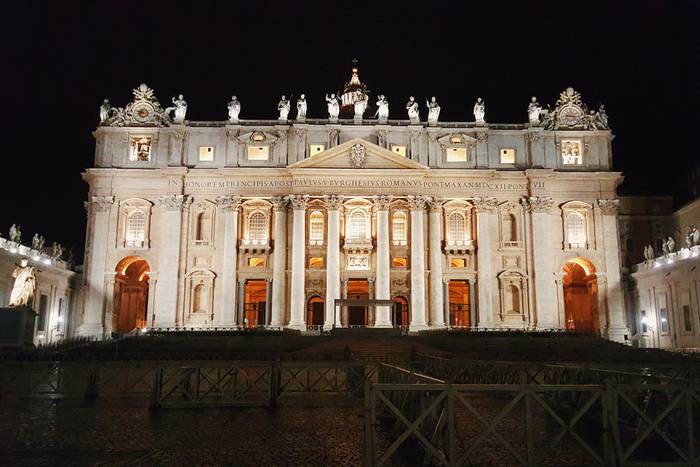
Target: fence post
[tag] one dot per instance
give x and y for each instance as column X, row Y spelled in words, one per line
column 274, row 383
column 610, row 425
column 451, row 430
column 157, row 388
column 369, row 456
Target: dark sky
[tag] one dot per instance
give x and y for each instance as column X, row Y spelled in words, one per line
column 62, row 58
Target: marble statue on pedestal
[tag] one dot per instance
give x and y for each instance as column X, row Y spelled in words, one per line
column 24, row 286
column 333, row 106
column 649, row 253
column 180, row 109
column 15, row 234
column 105, row 110
column 37, row 242
column 234, row 109
column 382, row 112
column 412, row 109
column 359, row 102
column 692, row 236
column 56, row 251
column 480, row 111
column 301, row 108
column 433, row 110
column 602, row 117
column 669, row 246
column 534, row 109
column 284, row 106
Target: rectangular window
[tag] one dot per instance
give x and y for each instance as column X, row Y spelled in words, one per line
column 316, row 262
column 43, row 309
column 140, row 149
column 398, row 149
column 456, row 154
column 316, row 148
column 687, row 318
column 206, row 154
column 663, row 318
column 258, row 153
column 507, row 156
column 256, row 262
column 397, row 262
column 571, row 152
column 458, row 263
column 645, row 325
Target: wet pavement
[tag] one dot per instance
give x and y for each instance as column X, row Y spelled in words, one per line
column 115, row 432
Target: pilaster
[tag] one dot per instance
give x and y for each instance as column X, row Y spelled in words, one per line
column 333, row 204
column 229, row 206
column 298, row 316
column 485, row 219
column 418, row 318
column 279, row 262
column 437, row 318
column 383, row 283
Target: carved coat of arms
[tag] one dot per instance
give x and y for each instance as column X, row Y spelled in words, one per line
column 358, row 155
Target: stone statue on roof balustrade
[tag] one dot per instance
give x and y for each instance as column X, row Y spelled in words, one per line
column 534, row 109
column 234, row 109
column 283, row 106
column 382, row 112
column 433, row 110
column 480, row 111
column 301, row 108
column 105, row 110
column 412, row 110
column 333, row 107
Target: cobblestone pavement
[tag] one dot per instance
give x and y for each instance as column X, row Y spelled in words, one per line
column 115, row 432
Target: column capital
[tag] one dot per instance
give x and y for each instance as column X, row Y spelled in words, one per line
column 485, row 204
column 174, row 202
column 228, row 203
column 333, row 202
column 279, row 203
column 435, row 205
column 609, row 207
column 298, row 202
column 382, row 202
column 102, row 203
column 417, row 203
column 538, row 204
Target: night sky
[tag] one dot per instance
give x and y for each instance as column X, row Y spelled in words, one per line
column 62, row 58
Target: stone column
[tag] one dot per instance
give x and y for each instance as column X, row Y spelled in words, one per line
column 344, row 309
column 437, row 315
column 333, row 204
column 383, row 283
column 485, row 216
column 96, row 247
column 268, row 299
column 472, row 302
column 372, row 310
column 446, row 304
column 229, row 206
column 152, row 282
column 298, row 316
column 169, row 258
column 616, row 325
column 418, row 318
column 545, row 294
column 240, row 313
column 279, row 263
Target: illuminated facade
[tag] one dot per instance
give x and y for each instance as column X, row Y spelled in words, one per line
column 262, row 223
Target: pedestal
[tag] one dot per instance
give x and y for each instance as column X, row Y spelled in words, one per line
column 17, row 327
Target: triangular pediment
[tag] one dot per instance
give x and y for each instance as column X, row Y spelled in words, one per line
column 357, row 154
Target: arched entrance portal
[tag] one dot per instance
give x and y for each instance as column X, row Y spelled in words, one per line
column 130, row 295
column 400, row 312
column 581, row 296
column 315, row 310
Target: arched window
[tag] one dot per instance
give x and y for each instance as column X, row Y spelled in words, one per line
column 135, row 229
column 510, row 228
column 456, row 228
column 576, row 230
column 358, row 226
column 257, row 226
column 316, row 228
column 199, row 299
column 398, row 228
column 203, row 226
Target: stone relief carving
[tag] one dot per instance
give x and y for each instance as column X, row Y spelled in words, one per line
column 571, row 112
column 174, row 202
column 298, row 202
column 609, row 206
column 382, row 202
column 382, row 138
column 485, row 204
column 358, row 155
column 279, row 203
column 228, row 202
column 102, row 203
column 435, row 204
column 538, row 204
column 417, row 203
column 144, row 110
column 333, row 136
column 333, row 202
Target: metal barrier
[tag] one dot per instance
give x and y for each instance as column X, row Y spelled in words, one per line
column 533, row 423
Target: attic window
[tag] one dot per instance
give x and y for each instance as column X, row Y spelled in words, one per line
column 398, row 149
column 206, row 154
column 456, row 154
column 507, row 156
column 316, row 148
column 456, row 140
column 258, row 153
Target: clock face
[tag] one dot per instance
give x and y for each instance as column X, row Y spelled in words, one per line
column 570, row 116
column 143, row 112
